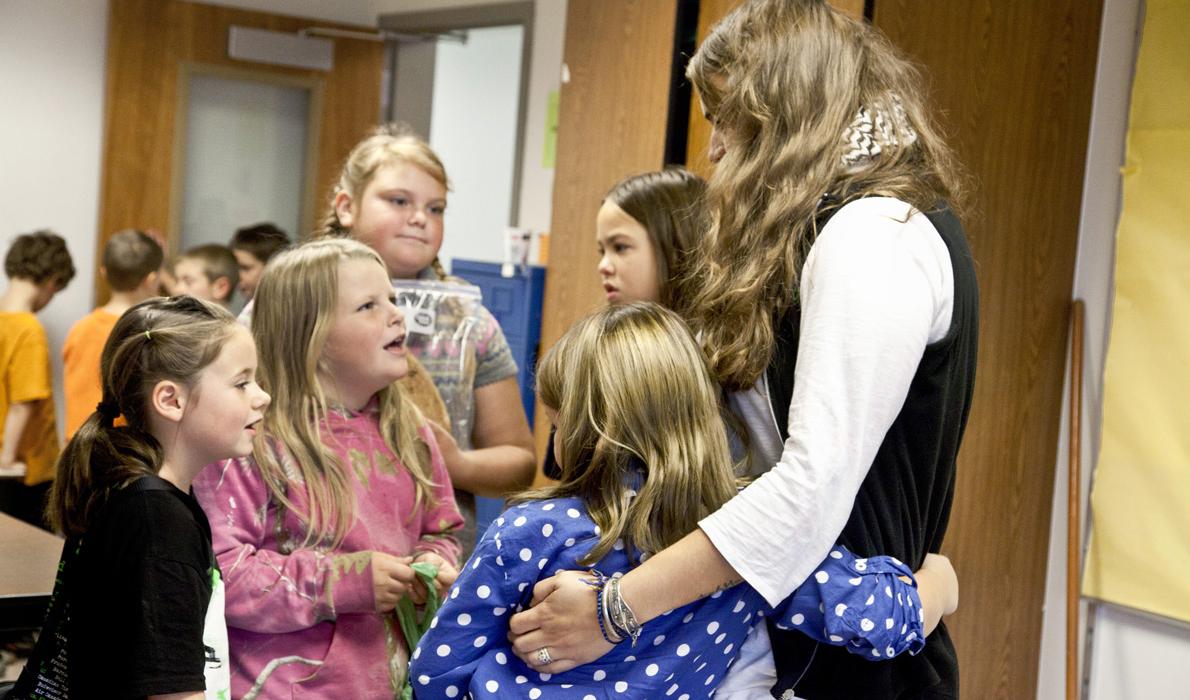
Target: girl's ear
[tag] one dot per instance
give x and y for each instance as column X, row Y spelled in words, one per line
column 168, row 400
column 343, row 205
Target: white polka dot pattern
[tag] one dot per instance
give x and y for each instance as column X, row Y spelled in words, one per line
column 469, row 654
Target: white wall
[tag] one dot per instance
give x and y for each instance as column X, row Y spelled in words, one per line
column 51, row 134
column 473, row 129
column 1132, row 656
column 545, row 76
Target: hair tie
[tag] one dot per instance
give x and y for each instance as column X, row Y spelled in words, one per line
column 147, row 336
column 108, row 411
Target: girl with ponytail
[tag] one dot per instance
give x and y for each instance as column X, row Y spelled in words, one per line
column 137, row 609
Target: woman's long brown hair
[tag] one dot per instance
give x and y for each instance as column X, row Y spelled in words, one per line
column 782, row 80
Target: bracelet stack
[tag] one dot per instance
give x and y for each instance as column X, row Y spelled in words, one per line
column 617, row 622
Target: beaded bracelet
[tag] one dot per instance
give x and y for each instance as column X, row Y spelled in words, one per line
column 600, row 584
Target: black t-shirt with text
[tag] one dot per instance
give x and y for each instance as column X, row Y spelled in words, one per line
column 135, row 593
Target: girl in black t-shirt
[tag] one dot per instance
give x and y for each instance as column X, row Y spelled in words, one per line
column 137, row 609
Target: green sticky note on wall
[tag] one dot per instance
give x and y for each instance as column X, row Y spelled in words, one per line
column 550, row 149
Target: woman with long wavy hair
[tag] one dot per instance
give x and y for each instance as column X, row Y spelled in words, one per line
column 837, row 303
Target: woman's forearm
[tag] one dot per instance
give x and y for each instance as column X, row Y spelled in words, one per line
column 687, row 571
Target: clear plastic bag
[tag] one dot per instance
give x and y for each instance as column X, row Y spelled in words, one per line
column 443, row 322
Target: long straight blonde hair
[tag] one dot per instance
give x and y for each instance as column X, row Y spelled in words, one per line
column 630, row 385
column 783, row 79
column 294, row 310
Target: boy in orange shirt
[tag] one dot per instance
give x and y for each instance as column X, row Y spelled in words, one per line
column 130, row 263
column 207, row 272
column 38, row 267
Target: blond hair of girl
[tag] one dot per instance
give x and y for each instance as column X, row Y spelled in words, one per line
column 387, row 144
column 295, row 308
column 631, row 387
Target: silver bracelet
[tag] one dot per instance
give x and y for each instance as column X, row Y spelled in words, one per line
column 623, row 620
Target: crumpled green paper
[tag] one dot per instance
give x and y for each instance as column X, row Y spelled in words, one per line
column 407, row 614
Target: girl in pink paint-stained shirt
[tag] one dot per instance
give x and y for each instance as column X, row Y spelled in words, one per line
column 315, row 533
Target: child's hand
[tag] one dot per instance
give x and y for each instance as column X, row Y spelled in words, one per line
column 392, row 579
column 447, row 573
column 949, row 580
column 938, row 587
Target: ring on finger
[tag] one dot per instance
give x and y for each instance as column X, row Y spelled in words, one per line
column 543, row 656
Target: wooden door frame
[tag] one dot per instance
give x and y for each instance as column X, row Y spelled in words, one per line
column 188, row 69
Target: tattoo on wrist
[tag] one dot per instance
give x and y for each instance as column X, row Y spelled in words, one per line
column 723, row 586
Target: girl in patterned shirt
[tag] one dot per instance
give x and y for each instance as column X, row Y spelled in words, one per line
column 643, row 455
column 345, row 489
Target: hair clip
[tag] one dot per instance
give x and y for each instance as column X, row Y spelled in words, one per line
column 147, row 336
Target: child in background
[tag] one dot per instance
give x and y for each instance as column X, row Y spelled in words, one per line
column 644, row 457
column 130, row 263
column 208, row 272
column 252, row 247
column 391, row 196
column 345, row 489
column 646, row 231
column 137, row 609
column 38, row 266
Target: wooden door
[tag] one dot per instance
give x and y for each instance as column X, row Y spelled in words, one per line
column 611, row 123
column 1014, row 79
column 151, row 46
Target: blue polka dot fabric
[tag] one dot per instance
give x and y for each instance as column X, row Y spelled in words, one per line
column 682, row 654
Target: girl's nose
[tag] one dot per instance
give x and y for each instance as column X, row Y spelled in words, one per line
column 418, row 216
column 262, row 399
column 397, row 318
column 605, row 266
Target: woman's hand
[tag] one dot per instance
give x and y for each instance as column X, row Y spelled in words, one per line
column 392, row 579
column 562, row 621
column 447, row 573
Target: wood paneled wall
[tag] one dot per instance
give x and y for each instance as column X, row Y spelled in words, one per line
column 148, row 40
column 1014, row 79
column 611, row 123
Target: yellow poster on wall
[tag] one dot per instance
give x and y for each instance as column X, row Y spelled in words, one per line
column 1140, row 500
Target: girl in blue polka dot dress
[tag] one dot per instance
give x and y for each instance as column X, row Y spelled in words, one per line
column 644, row 456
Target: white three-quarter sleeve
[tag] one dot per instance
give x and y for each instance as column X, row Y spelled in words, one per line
column 876, row 288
